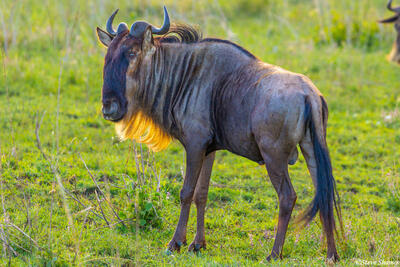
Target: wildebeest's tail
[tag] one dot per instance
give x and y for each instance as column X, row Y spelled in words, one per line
column 326, row 198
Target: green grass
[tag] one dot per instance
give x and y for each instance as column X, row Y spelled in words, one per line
column 336, row 43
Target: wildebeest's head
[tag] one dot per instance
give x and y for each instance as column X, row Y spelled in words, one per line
column 395, row 54
column 126, row 49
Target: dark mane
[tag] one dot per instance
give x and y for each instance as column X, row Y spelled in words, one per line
column 187, row 34
column 182, row 33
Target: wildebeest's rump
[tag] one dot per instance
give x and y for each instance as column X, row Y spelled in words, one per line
column 212, row 94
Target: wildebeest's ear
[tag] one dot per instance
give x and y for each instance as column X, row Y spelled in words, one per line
column 147, row 40
column 104, row 37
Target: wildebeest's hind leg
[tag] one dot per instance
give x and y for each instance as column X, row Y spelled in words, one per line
column 194, row 160
column 277, row 167
column 200, row 199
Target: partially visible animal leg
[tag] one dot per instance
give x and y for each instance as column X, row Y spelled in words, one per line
column 277, row 167
column 307, row 149
column 293, row 156
column 194, row 162
column 200, row 199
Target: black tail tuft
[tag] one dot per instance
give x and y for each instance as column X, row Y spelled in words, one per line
column 326, row 198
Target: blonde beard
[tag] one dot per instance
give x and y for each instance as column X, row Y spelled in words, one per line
column 143, row 130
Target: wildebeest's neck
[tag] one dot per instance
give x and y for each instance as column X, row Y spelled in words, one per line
column 179, row 78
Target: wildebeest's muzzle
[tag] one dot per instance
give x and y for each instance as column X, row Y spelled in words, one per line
column 113, row 109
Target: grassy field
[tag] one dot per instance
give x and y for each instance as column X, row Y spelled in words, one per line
column 84, row 198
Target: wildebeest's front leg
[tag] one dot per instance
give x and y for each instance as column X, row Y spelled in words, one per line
column 200, row 199
column 194, row 161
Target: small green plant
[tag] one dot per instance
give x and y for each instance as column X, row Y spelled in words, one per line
column 150, row 208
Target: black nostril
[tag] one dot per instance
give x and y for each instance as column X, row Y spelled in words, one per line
column 106, row 105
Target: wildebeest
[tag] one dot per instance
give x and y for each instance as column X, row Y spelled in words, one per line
column 395, row 53
column 211, row 94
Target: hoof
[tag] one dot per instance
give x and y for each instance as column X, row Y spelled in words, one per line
column 333, row 258
column 196, row 247
column 175, row 245
column 273, row 257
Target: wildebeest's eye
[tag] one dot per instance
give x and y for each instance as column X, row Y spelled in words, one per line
column 132, row 54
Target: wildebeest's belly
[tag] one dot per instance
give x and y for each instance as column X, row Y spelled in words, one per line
column 233, row 131
column 247, row 149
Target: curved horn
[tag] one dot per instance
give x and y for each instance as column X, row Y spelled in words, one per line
column 165, row 27
column 390, row 20
column 109, row 26
column 394, row 9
